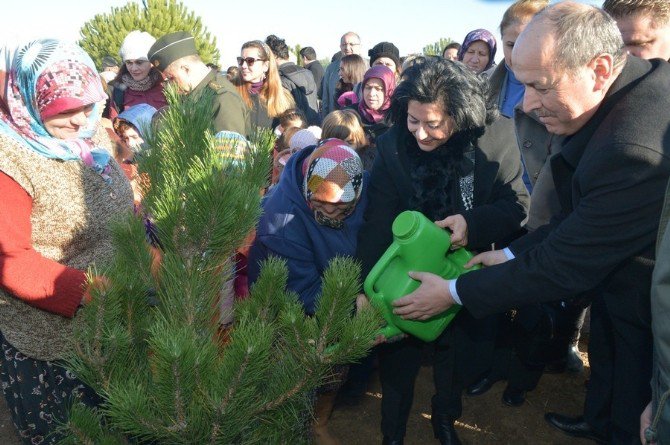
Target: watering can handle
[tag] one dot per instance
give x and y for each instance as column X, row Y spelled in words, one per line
column 376, row 272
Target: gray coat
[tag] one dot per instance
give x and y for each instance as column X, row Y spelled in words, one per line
column 300, row 83
column 328, row 84
column 537, row 146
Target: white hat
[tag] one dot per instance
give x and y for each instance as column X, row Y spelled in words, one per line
column 136, row 46
column 304, row 138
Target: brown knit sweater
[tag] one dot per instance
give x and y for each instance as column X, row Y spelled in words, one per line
column 71, row 213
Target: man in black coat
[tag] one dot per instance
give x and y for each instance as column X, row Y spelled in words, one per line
column 314, row 66
column 609, row 179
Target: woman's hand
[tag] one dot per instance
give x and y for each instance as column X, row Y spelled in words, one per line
column 488, row 258
column 645, row 422
column 459, row 230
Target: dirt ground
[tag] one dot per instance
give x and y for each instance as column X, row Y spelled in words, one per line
column 486, row 420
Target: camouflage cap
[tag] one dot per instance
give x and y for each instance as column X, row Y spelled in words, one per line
column 171, row 47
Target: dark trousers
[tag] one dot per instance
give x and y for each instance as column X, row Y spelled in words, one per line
column 457, row 355
column 546, row 343
column 620, row 355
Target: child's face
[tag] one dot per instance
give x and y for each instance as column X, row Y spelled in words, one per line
column 297, row 123
column 132, row 138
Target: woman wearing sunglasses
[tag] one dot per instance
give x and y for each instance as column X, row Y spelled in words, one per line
column 260, row 86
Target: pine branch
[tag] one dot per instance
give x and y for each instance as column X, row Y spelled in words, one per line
column 221, row 408
column 286, row 396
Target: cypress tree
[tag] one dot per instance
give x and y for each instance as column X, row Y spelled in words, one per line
column 104, row 34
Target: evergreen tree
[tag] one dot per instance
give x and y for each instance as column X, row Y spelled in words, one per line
column 296, row 50
column 151, row 345
column 104, row 34
column 435, row 49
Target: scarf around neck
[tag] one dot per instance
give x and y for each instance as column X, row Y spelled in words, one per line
column 142, row 85
column 256, row 87
column 442, row 179
column 45, row 78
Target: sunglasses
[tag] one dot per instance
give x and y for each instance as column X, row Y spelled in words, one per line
column 250, row 61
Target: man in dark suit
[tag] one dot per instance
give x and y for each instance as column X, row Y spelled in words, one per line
column 609, row 178
column 314, row 66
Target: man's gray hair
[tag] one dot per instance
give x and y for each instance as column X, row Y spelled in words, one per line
column 582, row 32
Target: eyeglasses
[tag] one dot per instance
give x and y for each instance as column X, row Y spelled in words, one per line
column 250, row 61
column 349, row 44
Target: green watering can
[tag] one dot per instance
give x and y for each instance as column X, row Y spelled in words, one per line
column 418, row 245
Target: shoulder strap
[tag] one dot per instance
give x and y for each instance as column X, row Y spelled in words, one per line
column 117, row 96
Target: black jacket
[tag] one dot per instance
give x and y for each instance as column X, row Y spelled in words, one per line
column 500, row 198
column 300, row 82
column 610, row 178
column 317, row 71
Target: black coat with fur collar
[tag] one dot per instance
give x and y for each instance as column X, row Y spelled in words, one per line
column 500, row 199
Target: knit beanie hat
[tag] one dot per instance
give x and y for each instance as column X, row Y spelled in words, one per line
column 385, row 49
column 136, row 46
column 333, row 173
column 232, row 146
column 304, row 138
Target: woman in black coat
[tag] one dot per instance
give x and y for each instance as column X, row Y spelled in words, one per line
column 436, row 159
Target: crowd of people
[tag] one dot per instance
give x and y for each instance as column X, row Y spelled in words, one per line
column 551, row 166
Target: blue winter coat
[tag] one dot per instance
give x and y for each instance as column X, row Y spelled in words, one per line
column 288, row 230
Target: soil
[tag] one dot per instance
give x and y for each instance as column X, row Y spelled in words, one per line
column 486, row 420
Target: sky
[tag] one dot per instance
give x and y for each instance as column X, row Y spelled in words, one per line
column 409, row 24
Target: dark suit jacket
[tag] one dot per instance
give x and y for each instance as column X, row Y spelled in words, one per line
column 317, row 71
column 610, row 178
column 500, row 198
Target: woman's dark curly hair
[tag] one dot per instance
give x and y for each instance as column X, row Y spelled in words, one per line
column 459, row 91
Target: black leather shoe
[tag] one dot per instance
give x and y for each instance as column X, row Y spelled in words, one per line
column 574, row 426
column 444, row 430
column 513, row 396
column 480, row 387
column 572, row 362
column 388, row 441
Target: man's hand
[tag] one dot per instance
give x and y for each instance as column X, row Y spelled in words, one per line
column 488, row 258
column 431, row 298
column 645, row 422
column 459, row 230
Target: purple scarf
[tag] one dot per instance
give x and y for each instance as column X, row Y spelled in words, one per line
column 255, row 87
column 484, row 36
column 387, row 77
